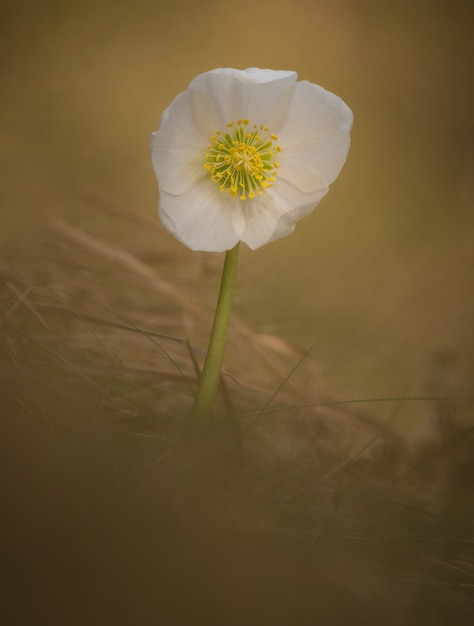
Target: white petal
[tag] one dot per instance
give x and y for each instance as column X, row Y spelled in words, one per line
column 315, row 137
column 274, row 214
column 252, row 75
column 178, row 148
column 258, row 75
column 261, row 217
column 202, row 218
column 298, row 172
column 244, row 94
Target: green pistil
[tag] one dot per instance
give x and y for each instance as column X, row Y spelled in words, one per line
column 242, row 163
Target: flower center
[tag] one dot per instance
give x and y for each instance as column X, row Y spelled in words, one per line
column 242, row 159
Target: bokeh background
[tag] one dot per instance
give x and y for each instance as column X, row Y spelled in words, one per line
column 378, row 281
column 359, row 512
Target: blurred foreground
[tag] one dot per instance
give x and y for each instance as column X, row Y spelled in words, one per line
column 326, row 514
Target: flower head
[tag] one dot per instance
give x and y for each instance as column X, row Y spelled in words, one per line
column 242, row 155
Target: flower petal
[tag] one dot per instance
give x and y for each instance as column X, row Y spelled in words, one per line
column 274, row 214
column 178, row 148
column 315, row 137
column 298, row 173
column 244, row 94
column 203, row 218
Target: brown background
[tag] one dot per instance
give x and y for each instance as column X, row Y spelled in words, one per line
column 379, row 279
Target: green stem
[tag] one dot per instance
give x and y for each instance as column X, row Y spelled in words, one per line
column 209, row 379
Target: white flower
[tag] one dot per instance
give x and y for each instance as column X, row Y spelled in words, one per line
column 242, row 155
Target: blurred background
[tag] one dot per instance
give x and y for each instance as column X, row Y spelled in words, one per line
column 97, row 300
column 378, row 281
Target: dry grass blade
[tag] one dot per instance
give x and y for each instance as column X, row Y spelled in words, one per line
column 97, row 370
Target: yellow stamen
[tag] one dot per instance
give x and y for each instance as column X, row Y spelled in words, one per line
column 241, row 161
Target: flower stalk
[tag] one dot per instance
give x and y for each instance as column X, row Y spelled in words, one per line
column 209, row 379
